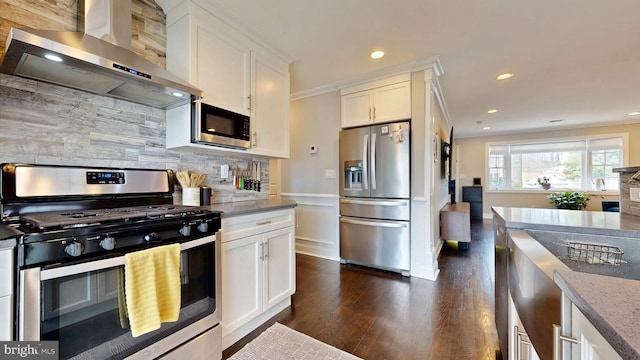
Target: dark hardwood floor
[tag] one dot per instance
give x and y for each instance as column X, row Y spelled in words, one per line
column 382, row 315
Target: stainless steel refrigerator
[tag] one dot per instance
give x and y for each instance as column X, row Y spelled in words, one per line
column 375, row 211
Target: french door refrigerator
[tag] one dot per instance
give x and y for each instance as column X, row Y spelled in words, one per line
column 374, row 196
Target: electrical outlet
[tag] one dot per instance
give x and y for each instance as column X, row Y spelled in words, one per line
column 329, row 174
column 224, row 171
column 634, row 194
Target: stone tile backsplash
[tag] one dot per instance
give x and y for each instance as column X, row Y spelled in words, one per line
column 42, row 123
column 626, row 183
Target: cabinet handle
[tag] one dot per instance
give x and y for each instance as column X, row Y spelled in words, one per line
column 255, row 139
column 261, row 251
column 266, row 249
column 374, row 112
column 369, row 113
column 557, row 341
column 249, row 102
column 517, row 334
column 263, row 222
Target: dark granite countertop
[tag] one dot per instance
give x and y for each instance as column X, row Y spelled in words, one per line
column 247, row 207
column 8, row 243
column 7, row 236
column 576, row 221
column 632, row 169
column 610, row 304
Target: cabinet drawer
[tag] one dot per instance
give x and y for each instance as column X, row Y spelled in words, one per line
column 238, row 227
column 6, row 272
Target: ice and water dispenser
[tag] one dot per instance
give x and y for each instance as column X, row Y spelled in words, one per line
column 353, row 174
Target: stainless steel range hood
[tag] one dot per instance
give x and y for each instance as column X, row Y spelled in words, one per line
column 96, row 60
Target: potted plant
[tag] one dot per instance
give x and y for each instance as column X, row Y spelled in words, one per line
column 544, row 182
column 572, row 200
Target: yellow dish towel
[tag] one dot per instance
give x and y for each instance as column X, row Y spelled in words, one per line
column 152, row 287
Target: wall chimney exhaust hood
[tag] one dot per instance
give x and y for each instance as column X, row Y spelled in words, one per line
column 97, row 59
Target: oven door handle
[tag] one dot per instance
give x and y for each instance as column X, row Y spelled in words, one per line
column 96, row 265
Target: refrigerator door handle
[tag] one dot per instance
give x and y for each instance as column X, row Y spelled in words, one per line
column 373, row 161
column 375, row 223
column 376, row 203
column 365, row 145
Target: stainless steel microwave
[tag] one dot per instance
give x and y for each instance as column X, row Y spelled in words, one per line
column 216, row 126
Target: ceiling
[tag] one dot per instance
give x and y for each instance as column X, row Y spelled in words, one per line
column 577, row 61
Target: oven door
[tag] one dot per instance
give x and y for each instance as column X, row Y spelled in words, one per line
column 82, row 306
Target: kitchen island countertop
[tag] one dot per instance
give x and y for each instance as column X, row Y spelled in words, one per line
column 609, row 304
column 584, row 222
column 247, row 207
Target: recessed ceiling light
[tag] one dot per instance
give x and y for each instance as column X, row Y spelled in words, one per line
column 52, row 57
column 634, row 113
column 504, row 76
column 486, row 128
column 492, row 111
column 377, row 54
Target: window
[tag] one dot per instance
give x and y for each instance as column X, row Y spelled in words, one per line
column 573, row 164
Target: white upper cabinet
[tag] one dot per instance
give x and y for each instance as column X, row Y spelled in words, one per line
column 223, row 71
column 235, row 73
column 269, row 106
column 377, row 102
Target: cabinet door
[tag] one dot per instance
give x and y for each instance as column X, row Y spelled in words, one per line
column 223, row 71
column 392, row 102
column 6, row 272
column 242, row 277
column 6, row 315
column 592, row 345
column 280, row 265
column 269, row 107
column 357, row 109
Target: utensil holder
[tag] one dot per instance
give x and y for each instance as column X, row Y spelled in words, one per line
column 191, row 196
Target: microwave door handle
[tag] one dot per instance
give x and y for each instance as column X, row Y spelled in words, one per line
column 196, row 133
column 373, row 160
column 365, row 145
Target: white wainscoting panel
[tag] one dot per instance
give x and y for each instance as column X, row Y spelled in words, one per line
column 317, row 224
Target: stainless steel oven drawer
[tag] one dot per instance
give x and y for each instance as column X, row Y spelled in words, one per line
column 206, row 346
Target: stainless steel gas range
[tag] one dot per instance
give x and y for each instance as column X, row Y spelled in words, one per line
column 74, row 227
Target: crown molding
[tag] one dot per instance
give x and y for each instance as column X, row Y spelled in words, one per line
column 432, row 63
column 230, row 18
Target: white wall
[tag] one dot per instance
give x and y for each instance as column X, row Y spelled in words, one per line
column 314, row 121
column 472, row 152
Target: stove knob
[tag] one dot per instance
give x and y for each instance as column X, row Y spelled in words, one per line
column 151, row 237
column 74, row 248
column 108, row 243
column 203, row 227
column 185, row 230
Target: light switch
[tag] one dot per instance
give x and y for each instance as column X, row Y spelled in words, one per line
column 313, row 149
column 329, row 174
column 634, row 194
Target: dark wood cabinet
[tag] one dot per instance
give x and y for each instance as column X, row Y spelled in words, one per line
column 473, row 195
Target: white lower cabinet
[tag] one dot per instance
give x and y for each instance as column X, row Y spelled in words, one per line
column 580, row 339
column 520, row 348
column 6, row 294
column 258, row 270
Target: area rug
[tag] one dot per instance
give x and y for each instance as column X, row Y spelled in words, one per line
column 280, row 343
